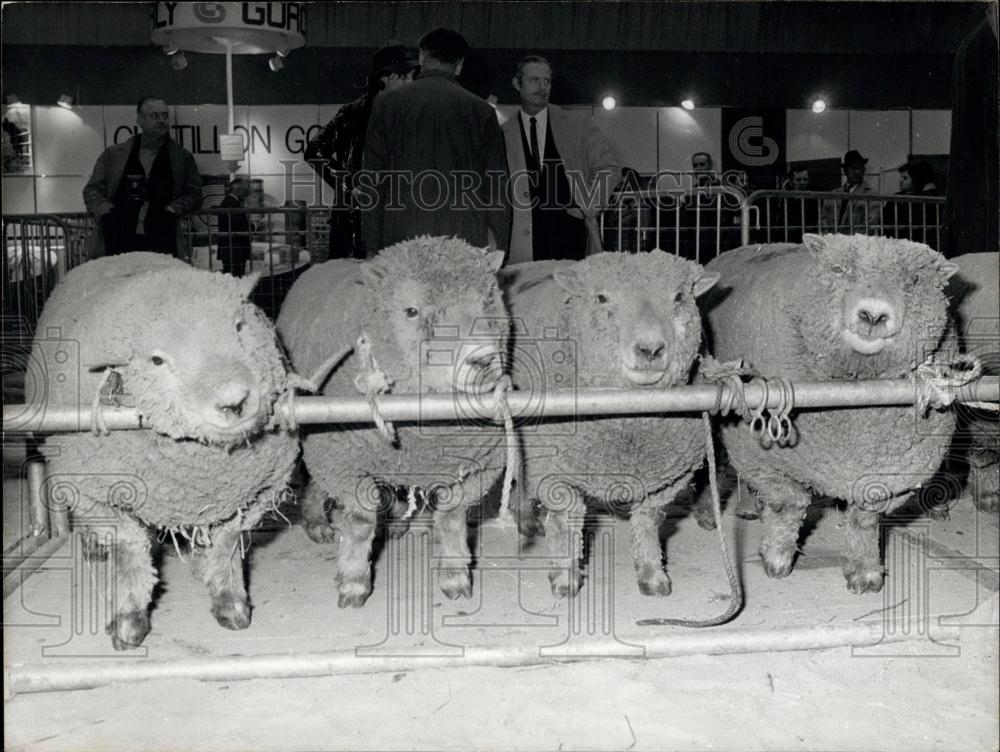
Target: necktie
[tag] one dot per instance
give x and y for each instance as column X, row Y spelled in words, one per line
column 534, row 142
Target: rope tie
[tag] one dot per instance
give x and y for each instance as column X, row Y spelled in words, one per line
column 372, row 381
column 502, row 411
column 284, row 409
column 936, row 380
column 736, row 589
column 110, row 385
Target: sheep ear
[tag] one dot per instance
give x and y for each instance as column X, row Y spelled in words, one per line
column 815, row 244
column 704, row 283
column 568, row 280
column 495, row 259
column 374, row 273
column 248, row 283
column 947, row 269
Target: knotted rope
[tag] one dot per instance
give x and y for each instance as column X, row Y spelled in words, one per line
column 502, row 411
column 109, row 386
column 936, row 381
column 373, row 381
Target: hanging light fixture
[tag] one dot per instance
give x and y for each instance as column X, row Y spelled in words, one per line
column 818, row 105
column 687, row 103
column 178, row 62
column 276, row 63
column 66, row 102
column 609, row 102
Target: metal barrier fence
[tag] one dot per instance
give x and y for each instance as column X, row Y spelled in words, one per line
column 783, row 216
column 697, row 224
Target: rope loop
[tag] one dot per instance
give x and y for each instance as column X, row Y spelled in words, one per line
column 936, row 380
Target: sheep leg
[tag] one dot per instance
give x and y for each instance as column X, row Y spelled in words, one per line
column 314, row 516
column 784, row 508
column 862, row 558
column 128, row 548
column 564, row 531
column 451, row 549
column 984, row 477
column 354, row 571
column 646, row 550
column 220, row 567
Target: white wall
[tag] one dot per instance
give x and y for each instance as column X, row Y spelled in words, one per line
column 66, row 143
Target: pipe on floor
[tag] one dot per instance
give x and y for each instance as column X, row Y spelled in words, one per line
column 551, row 404
column 27, row 678
column 33, row 555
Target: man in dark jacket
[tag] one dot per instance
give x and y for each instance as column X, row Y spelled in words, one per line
column 139, row 188
column 234, row 230
column 434, row 157
column 336, row 151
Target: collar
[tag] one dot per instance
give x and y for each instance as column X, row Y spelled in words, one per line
column 437, row 73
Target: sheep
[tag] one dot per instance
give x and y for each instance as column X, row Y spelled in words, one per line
column 836, row 307
column 423, row 316
column 203, row 368
column 974, row 293
column 633, row 323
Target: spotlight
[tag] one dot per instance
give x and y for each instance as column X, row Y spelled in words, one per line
column 687, row 104
column 491, row 100
column 276, row 63
column 818, row 105
column 281, row 50
column 13, row 99
column 608, row 103
column 178, row 62
column 170, row 48
column 66, row 102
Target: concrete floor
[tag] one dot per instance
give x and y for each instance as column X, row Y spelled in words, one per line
column 913, row 695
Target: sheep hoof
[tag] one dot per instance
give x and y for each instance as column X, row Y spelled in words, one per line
column 777, row 562
column 92, row 549
column 353, row 594
column 321, row 532
column 231, row 611
column 455, row 583
column 656, row 582
column 128, row 630
column 565, row 584
column 705, row 520
column 860, row 582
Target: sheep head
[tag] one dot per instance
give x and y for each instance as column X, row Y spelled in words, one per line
column 434, row 315
column 634, row 317
column 880, row 309
column 200, row 360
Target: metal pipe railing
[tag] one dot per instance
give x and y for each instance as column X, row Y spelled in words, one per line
column 552, row 404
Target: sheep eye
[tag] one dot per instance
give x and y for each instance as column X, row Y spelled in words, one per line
column 914, row 279
column 157, row 360
column 678, row 297
column 838, row 269
column 602, row 298
column 239, row 326
column 411, row 312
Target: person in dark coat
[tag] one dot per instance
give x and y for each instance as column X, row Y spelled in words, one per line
column 234, row 229
column 434, row 159
column 335, row 152
column 140, row 188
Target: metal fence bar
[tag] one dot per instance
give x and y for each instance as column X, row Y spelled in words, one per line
column 531, row 406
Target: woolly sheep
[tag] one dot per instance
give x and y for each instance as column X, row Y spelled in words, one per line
column 431, row 318
column 836, row 308
column 202, row 366
column 975, row 292
column 633, row 323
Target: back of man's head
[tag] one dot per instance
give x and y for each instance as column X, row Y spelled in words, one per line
column 444, row 45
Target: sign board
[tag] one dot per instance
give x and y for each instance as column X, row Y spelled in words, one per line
column 251, row 28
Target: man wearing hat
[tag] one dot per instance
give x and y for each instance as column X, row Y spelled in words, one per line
column 851, row 217
column 335, row 153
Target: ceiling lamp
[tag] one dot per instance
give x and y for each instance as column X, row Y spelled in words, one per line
column 818, row 105
column 66, row 102
column 178, row 62
column 608, row 102
column 687, row 104
column 276, row 63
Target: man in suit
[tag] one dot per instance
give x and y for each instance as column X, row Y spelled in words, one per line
column 234, row 229
column 562, row 171
column 849, row 217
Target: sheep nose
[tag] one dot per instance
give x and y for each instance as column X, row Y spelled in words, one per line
column 876, row 318
column 231, row 400
column 649, row 350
